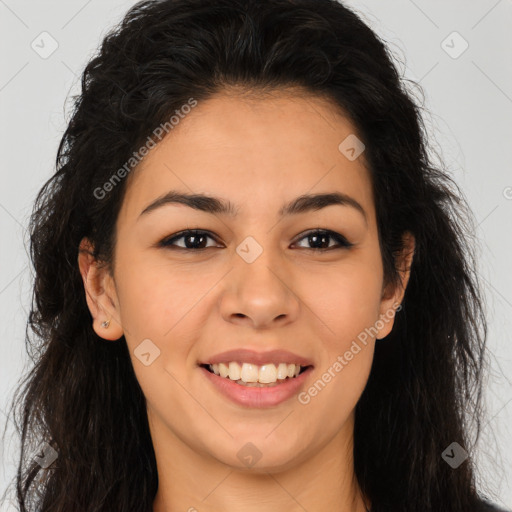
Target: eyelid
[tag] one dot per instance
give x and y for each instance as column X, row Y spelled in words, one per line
column 165, row 242
column 342, row 242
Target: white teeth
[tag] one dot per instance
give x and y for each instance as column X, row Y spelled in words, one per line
column 282, row 371
column 268, row 373
column 249, row 373
column 223, row 370
column 254, row 375
column 234, row 371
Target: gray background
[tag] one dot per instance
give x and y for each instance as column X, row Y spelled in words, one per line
column 469, row 95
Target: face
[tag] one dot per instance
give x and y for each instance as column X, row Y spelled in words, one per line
column 270, row 275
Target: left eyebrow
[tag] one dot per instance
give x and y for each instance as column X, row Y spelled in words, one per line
column 214, row 205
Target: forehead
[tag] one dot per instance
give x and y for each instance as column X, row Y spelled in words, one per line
column 253, row 150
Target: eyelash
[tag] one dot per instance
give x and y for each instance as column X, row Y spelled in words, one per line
column 343, row 243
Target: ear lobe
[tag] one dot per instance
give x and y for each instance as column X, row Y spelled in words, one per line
column 99, row 293
column 393, row 294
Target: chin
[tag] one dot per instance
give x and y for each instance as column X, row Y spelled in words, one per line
column 260, row 456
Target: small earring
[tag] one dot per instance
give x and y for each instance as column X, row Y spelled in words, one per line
column 105, row 324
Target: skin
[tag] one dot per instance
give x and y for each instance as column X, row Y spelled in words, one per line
column 259, row 153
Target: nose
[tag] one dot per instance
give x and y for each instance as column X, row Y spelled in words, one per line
column 260, row 294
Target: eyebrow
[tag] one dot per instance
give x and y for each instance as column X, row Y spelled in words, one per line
column 213, row 205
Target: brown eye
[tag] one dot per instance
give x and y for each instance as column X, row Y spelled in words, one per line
column 194, row 240
column 320, row 239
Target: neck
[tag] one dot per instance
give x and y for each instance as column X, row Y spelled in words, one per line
column 191, row 481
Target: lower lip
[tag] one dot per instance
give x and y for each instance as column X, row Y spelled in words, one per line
column 255, row 396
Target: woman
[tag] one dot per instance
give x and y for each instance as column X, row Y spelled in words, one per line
column 253, row 289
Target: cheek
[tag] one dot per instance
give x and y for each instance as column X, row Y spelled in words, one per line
column 158, row 305
column 347, row 303
column 158, row 308
column 346, row 358
column 154, row 296
column 346, row 300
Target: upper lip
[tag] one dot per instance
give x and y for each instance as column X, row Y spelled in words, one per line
column 258, row 358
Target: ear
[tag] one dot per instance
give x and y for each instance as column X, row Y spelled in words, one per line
column 393, row 294
column 100, row 293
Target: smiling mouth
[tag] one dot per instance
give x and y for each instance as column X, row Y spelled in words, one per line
column 252, row 375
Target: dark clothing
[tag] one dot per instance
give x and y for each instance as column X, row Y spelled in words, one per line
column 487, row 506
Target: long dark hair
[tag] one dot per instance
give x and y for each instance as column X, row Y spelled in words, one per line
column 82, row 397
